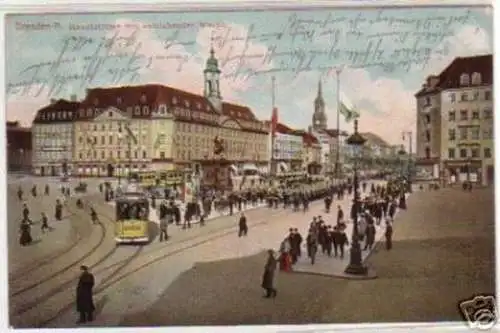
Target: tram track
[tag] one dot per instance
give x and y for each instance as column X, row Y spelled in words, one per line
column 174, row 249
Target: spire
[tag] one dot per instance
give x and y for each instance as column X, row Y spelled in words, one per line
column 320, row 91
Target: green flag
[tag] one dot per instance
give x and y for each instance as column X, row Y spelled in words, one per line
column 349, row 114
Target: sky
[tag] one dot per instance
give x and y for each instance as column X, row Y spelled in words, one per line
column 384, row 56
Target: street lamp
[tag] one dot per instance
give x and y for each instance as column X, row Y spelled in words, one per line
column 356, row 266
column 469, row 162
column 402, row 154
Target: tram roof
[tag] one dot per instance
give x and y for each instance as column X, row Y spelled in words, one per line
column 128, row 196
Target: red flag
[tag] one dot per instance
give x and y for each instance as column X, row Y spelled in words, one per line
column 274, row 121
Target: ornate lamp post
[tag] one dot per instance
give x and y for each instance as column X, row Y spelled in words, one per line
column 356, row 266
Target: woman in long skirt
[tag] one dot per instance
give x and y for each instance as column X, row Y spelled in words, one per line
column 25, row 238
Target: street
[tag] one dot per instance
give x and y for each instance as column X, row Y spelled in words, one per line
column 130, row 278
column 443, row 253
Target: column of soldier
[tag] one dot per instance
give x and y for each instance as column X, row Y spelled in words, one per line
column 381, row 203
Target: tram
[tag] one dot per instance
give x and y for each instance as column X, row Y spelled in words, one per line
column 132, row 218
column 144, row 178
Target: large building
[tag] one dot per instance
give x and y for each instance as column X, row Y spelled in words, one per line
column 52, row 137
column 286, row 149
column 149, row 127
column 455, row 122
column 19, row 147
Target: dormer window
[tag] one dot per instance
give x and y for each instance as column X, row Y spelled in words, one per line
column 119, row 100
column 70, row 114
column 198, row 105
column 82, row 113
column 464, row 79
column 174, row 100
column 186, row 103
column 145, row 111
column 96, row 101
column 89, row 112
column 476, row 78
column 143, row 98
column 137, row 111
column 162, row 109
column 208, row 107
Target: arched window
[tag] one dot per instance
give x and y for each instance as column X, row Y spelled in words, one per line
column 464, row 79
column 476, row 78
column 427, row 153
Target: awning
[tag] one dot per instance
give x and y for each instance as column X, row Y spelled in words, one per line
column 250, row 166
column 283, row 167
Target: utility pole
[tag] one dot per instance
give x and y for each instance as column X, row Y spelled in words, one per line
column 410, row 153
column 338, row 71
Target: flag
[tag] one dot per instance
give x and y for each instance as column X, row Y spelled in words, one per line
column 274, row 121
column 348, row 113
column 130, row 134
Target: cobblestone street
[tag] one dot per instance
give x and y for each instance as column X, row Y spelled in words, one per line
column 443, row 253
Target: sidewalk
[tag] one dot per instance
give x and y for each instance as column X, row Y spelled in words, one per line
column 335, row 266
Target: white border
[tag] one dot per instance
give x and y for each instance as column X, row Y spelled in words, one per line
column 34, row 6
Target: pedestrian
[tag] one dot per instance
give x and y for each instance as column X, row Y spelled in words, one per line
column 163, row 221
column 243, row 227
column 45, row 223
column 335, row 240
column 268, row 276
column 84, row 300
column 370, row 236
column 25, row 237
column 340, row 214
column 93, row 216
column 341, row 242
column 58, row 210
column 388, row 235
column 47, row 189
column 312, row 246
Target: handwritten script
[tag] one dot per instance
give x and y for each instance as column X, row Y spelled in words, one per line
column 385, row 40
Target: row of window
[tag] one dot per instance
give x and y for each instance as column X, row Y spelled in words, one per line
column 93, row 140
column 474, row 153
column 474, row 133
column 475, row 114
column 115, row 126
column 474, row 96
column 111, row 154
column 474, row 79
column 51, row 155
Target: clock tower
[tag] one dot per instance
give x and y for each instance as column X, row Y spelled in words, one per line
column 319, row 119
column 212, row 78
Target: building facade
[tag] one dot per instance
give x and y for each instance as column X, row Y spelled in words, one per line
column 52, row 138
column 286, row 149
column 455, row 122
column 311, row 155
column 155, row 127
column 19, row 147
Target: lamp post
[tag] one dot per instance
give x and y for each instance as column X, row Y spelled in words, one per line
column 469, row 163
column 402, row 154
column 356, row 266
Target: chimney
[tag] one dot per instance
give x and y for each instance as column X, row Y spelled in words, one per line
column 73, row 98
column 53, row 101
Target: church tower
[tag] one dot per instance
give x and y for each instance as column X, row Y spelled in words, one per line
column 319, row 119
column 212, row 76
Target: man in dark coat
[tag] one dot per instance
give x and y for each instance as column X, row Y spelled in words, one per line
column 340, row 214
column 84, row 302
column 243, row 228
column 268, row 277
column 388, row 236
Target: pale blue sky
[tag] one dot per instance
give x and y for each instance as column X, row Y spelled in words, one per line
column 378, row 93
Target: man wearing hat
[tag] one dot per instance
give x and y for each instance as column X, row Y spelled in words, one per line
column 84, row 302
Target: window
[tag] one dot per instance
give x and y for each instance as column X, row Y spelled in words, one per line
column 451, row 153
column 80, row 139
column 103, row 154
column 137, row 111
column 487, row 95
column 475, row 114
column 427, row 153
column 464, row 97
column 464, row 79
column 476, row 78
column 427, row 101
column 475, row 133
column 475, row 96
column 136, row 154
column 463, row 153
column 451, row 134
column 428, row 136
column 427, row 119
column 453, row 98
column 487, row 133
column 451, row 116
column 474, row 152
column 119, row 100
column 119, row 154
column 103, row 140
column 127, row 154
column 487, row 153
column 145, row 110
column 162, row 155
column 81, row 155
column 487, row 113
column 463, row 133
column 143, row 98
column 144, row 154
column 110, row 139
column 464, row 115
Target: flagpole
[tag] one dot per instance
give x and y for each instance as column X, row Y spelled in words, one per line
column 272, row 166
column 338, row 71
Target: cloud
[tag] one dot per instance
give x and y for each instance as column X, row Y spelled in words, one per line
column 174, row 65
column 23, row 106
column 467, row 41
